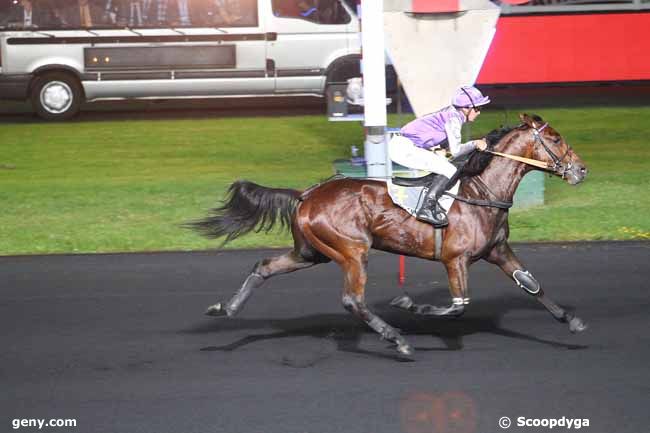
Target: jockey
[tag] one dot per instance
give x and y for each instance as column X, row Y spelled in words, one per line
column 418, row 140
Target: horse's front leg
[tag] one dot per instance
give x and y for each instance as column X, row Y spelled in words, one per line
column 503, row 256
column 457, row 271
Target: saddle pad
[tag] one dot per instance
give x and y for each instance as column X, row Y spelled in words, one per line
column 409, row 197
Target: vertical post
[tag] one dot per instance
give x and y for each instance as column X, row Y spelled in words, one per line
column 374, row 88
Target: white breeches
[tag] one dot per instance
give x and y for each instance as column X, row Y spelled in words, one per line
column 404, row 152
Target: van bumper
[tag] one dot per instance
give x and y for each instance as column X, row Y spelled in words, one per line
column 14, row 86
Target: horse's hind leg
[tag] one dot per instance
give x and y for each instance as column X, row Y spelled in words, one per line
column 355, row 277
column 263, row 270
column 503, row 256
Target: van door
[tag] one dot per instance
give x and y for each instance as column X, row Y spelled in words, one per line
column 238, row 26
column 242, row 26
column 311, row 34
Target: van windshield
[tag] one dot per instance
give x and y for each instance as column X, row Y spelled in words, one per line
column 98, row 14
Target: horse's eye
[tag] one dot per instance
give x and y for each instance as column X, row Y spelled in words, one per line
column 557, row 140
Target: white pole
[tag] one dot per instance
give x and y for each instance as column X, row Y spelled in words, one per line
column 374, row 88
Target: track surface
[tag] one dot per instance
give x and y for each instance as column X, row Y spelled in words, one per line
column 119, row 342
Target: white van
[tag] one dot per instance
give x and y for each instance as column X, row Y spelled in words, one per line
column 59, row 53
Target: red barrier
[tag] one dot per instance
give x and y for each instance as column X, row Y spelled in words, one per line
column 569, row 48
column 428, row 6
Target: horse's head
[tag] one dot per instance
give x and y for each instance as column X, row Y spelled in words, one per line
column 549, row 146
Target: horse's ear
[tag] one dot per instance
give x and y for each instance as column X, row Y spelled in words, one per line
column 528, row 120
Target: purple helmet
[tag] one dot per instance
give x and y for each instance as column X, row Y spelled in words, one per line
column 469, row 96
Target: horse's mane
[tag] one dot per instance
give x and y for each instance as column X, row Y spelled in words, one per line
column 479, row 161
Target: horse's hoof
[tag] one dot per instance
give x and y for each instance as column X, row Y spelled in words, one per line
column 452, row 311
column 577, row 325
column 405, row 350
column 216, row 310
column 403, row 302
column 456, row 314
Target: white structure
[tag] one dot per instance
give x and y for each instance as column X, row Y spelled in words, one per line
column 374, row 82
column 435, row 48
column 435, row 51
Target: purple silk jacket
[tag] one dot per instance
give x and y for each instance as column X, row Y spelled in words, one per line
column 430, row 130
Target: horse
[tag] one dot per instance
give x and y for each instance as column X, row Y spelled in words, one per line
column 342, row 219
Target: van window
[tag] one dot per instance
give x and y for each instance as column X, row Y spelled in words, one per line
column 316, row 11
column 228, row 13
column 76, row 14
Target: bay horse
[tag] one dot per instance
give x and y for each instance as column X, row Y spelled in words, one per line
column 343, row 219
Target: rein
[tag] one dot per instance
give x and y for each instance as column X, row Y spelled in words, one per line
column 476, row 202
column 557, row 166
column 485, row 190
column 534, row 162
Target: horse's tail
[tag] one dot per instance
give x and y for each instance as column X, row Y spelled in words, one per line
column 248, row 207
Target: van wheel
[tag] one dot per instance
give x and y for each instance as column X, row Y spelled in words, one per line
column 56, row 96
column 343, row 69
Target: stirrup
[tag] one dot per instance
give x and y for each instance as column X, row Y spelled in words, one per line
column 436, row 216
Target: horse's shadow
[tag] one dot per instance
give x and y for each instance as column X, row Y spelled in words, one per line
column 483, row 316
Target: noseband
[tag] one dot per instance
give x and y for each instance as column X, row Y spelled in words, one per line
column 557, row 167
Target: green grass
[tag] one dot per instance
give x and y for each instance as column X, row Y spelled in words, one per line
column 126, row 185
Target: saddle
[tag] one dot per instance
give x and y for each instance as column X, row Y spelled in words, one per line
column 414, row 181
column 426, row 180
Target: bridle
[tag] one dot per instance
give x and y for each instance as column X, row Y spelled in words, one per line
column 558, row 167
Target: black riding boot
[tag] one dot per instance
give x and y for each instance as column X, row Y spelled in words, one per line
column 430, row 211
